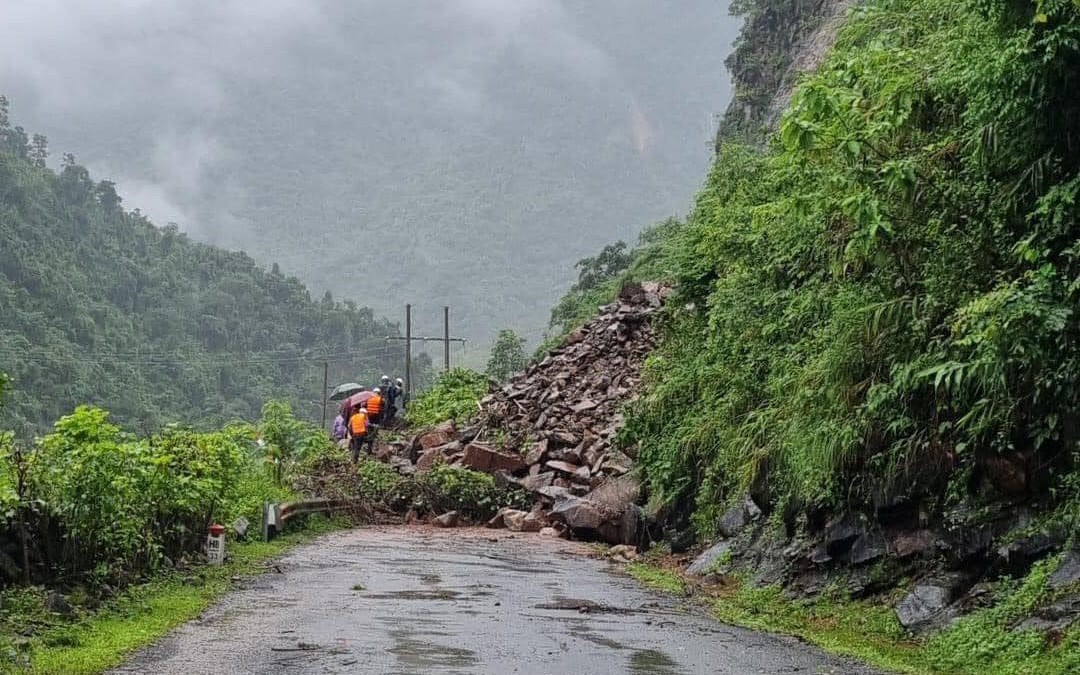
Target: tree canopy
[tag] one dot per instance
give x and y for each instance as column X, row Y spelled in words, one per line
column 97, row 305
column 507, row 356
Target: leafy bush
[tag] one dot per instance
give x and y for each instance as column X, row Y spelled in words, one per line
column 452, row 488
column 113, row 506
column 455, row 395
column 289, row 440
column 379, row 481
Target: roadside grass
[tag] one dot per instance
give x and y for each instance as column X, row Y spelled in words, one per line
column 102, row 639
column 657, row 577
column 981, row 643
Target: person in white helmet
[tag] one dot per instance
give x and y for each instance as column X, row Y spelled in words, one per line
column 390, row 395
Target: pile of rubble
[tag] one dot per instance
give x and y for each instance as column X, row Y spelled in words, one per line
column 551, row 430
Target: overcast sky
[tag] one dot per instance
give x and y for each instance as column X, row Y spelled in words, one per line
column 201, row 109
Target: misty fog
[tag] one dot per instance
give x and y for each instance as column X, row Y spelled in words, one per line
column 461, row 152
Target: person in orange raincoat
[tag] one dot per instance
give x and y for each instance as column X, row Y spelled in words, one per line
column 358, row 431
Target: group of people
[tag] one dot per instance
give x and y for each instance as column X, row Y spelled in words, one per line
column 360, row 423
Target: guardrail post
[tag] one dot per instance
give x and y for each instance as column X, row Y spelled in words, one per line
column 269, row 521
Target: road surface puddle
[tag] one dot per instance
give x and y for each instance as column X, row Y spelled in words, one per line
column 583, row 606
column 415, row 594
column 418, row 655
column 652, row 662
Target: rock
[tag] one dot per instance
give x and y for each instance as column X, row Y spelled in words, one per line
column 712, row 557
column 448, row 427
column 1021, row 553
column 819, row 555
column 906, row 544
column 539, row 481
column 564, row 467
column 565, row 438
column 550, row 532
column 623, row 553
column 448, row 519
column 1041, row 625
column 680, row 542
column 578, row 513
column 867, row 547
column 515, row 520
column 411, row 516
column 58, row 604
column 841, row 533
column 553, row 492
column 737, row 517
column 429, row 459
column 485, row 458
column 537, row 453
column 469, row 434
column 498, row 521
column 433, row 439
column 616, row 493
column 584, row 405
column 534, row 521
column 1067, row 573
column 924, row 606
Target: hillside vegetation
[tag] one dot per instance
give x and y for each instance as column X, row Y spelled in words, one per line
column 97, row 305
column 879, row 306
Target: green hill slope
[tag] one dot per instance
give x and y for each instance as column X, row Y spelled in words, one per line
column 880, row 305
column 99, row 306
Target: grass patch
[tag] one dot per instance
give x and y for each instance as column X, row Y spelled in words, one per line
column 982, row 643
column 144, row 613
column 866, row 632
column 657, row 577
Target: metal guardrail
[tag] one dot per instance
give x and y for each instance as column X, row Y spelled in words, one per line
column 276, row 516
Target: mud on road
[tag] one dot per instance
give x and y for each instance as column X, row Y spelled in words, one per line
column 419, row 600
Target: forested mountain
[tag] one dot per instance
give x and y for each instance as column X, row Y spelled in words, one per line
column 97, row 305
column 462, row 152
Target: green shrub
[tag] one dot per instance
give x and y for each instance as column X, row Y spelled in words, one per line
column 473, row 494
column 289, row 440
column 123, row 504
column 379, row 481
column 455, row 395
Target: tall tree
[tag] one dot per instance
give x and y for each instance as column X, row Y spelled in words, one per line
column 507, row 356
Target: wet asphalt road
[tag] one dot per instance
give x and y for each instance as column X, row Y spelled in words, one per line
column 419, row 600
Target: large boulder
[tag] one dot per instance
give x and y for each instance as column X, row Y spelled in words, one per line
column 479, row 457
column 926, row 605
column 616, row 493
column 1068, row 572
column 434, row 439
column 448, row 519
column 578, row 513
column 738, row 517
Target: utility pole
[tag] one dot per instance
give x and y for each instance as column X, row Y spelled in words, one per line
column 409, row 339
column 446, row 336
column 325, row 385
column 408, row 352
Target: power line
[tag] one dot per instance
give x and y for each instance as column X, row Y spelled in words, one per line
column 251, row 358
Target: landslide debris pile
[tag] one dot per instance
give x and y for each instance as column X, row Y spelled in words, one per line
column 551, row 429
